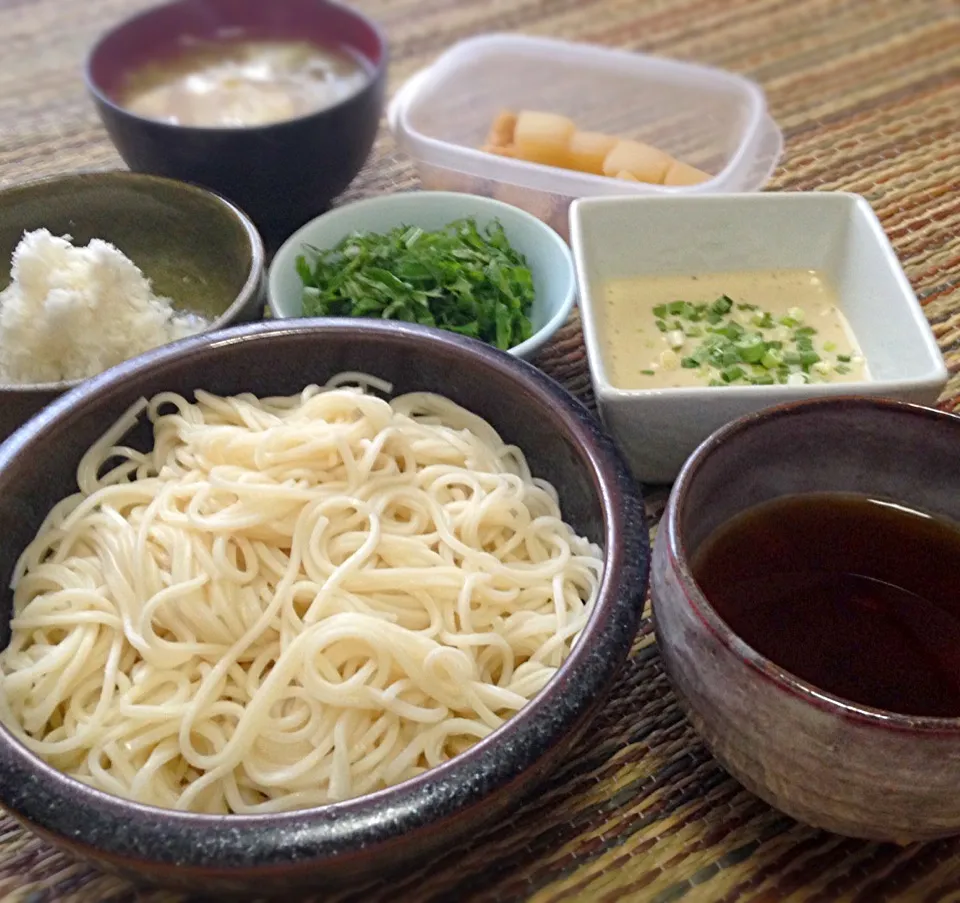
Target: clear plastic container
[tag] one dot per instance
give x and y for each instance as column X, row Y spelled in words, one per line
column 711, row 119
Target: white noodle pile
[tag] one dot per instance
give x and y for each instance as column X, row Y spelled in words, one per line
column 289, row 601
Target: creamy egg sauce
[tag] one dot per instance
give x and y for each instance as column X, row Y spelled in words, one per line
column 773, row 326
column 244, row 83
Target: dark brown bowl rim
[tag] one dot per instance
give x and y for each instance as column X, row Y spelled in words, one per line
column 769, row 670
column 377, row 75
column 307, row 837
column 255, row 247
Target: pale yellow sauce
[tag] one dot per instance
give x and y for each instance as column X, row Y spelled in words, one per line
column 632, row 343
column 244, row 83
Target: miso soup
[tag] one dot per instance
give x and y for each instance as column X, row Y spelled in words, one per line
column 232, row 84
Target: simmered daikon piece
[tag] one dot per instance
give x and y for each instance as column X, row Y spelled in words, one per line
column 534, row 136
column 647, row 163
column 684, row 174
column 588, row 150
column 507, row 150
column 503, row 128
column 544, row 138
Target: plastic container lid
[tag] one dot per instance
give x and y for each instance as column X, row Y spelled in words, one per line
column 709, row 118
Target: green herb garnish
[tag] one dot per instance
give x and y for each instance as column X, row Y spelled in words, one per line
column 460, row 278
column 742, row 344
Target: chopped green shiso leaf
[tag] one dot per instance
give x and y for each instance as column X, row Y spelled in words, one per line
column 461, row 278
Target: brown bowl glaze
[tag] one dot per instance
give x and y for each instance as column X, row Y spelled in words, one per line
column 394, row 828
column 281, row 174
column 824, row 760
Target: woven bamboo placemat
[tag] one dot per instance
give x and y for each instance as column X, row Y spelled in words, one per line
column 868, row 95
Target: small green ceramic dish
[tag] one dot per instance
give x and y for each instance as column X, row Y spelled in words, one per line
column 196, row 248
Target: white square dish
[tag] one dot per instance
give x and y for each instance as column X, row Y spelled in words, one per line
column 835, row 233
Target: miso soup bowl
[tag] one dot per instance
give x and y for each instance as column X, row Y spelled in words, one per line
column 281, row 174
column 824, row 760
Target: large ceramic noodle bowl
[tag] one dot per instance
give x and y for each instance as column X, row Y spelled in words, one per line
column 301, row 601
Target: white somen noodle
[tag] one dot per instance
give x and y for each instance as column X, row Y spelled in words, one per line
column 289, row 601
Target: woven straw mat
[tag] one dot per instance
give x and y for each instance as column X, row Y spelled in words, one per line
column 868, row 96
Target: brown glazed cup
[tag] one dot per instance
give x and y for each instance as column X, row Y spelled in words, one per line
column 826, row 761
column 357, row 840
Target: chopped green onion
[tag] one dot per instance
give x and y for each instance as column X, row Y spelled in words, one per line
column 752, row 349
column 742, row 343
column 772, row 359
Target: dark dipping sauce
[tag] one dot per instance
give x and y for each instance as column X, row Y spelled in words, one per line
column 856, row 596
